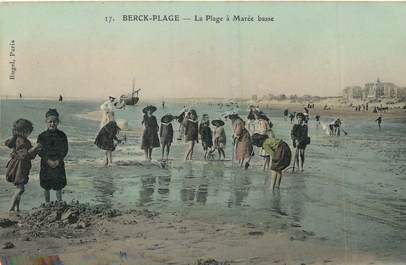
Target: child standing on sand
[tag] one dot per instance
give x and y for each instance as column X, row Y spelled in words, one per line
column 206, row 134
column 54, row 148
column 18, row 167
column 166, row 134
column 219, row 137
column 191, row 133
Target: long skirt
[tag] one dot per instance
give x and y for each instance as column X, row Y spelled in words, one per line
column 282, row 157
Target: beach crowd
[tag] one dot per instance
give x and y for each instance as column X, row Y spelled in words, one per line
column 250, row 136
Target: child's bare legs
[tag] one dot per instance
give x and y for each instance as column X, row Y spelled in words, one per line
column 150, row 153
column 107, row 159
column 59, row 195
column 47, row 195
column 221, row 150
column 168, row 148
column 296, row 159
column 276, row 179
column 15, row 201
column 146, row 151
column 163, row 150
column 111, row 157
column 267, row 161
column 189, row 152
column 302, row 158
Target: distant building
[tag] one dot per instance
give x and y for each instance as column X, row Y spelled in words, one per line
column 401, row 92
column 380, row 90
column 353, row 92
column 373, row 90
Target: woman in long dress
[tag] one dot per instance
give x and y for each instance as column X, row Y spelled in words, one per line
column 150, row 137
column 242, row 139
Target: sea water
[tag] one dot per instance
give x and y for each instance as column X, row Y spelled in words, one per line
column 352, row 192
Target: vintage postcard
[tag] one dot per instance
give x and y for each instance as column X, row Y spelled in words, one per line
column 202, row 133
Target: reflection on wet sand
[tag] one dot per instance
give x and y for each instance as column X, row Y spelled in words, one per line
column 147, row 189
column 239, row 189
column 104, row 188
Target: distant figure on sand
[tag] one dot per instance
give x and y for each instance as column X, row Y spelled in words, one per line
column 285, row 114
column 281, row 157
column 21, row 96
column 54, row 148
column 163, row 104
column 242, row 141
column 379, row 121
column 60, row 98
column 19, row 166
column 105, row 140
column 108, row 108
column 166, row 134
column 219, row 137
column 337, row 127
column 292, row 117
column 317, row 120
column 150, row 138
column 300, row 139
column 191, row 133
column 206, row 135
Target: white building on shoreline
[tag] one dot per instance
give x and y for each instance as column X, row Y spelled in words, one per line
column 374, row 90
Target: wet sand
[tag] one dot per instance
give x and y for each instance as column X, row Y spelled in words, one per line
column 181, row 238
column 144, row 237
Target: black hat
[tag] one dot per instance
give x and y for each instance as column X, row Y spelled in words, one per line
column 217, row 123
column 22, row 126
column 52, row 112
column 149, row 108
column 167, row 118
column 300, row 115
column 193, row 112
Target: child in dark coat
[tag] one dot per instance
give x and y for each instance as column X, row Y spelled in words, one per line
column 206, row 134
column 18, row 167
column 54, row 148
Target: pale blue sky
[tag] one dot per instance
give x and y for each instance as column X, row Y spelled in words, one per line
column 311, row 48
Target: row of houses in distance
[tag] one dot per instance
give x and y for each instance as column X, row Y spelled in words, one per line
column 375, row 90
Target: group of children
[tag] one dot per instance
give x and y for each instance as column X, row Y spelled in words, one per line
column 51, row 146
